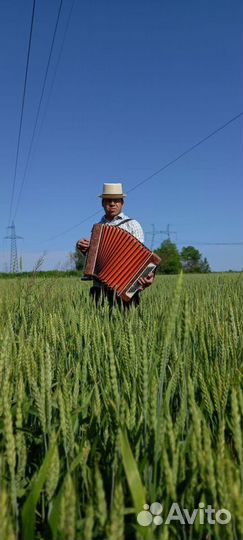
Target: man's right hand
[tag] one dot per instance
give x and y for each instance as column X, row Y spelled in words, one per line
column 83, row 245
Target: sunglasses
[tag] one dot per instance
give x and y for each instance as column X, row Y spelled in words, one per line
column 112, row 200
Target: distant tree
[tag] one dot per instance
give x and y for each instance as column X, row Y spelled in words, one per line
column 170, row 258
column 192, row 260
column 77, row 260
column 21, row 263
column 205, row 267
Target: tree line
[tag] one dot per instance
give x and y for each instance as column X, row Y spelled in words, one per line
column 189, row 259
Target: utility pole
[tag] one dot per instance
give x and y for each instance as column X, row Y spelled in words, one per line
column 14, row 267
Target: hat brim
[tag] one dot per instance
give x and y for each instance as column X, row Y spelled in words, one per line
column 113, row 195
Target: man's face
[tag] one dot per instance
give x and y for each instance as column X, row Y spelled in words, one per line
column 112, row 207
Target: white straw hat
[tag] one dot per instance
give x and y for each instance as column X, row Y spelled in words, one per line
column 112, row 190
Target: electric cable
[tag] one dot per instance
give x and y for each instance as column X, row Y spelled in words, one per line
column 39, row 105
column 166, row 166
column 22, row 110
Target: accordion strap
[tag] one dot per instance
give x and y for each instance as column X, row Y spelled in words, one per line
column 123, row 221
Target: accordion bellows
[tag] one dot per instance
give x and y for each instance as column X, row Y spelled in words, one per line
column 118, row 259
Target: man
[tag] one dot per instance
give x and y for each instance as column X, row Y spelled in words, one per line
column 113, row 202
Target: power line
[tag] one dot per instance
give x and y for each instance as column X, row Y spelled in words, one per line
column 22, row 110
column 39, row 105
column 190, row 149
column 211, row 243
column 168, row 232
column 55, row 73
column 70, row 228
column 180, row 156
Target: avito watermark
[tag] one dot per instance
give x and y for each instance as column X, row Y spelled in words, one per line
column 206, row 514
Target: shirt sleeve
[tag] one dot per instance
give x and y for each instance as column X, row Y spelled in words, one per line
column 136, row 230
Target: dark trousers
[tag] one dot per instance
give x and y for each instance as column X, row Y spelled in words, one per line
column 99, row 293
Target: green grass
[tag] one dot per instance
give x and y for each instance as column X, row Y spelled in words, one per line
column 100, row 414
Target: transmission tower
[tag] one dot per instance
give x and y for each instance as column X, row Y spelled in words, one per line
column 168, row 232
column 153, row 233
column 14, row 267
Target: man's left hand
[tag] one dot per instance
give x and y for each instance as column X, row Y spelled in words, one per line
column 147, row 281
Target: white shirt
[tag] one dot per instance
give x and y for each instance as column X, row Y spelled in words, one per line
column 132, row 226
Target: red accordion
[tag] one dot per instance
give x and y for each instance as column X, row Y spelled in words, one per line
column 118, row 259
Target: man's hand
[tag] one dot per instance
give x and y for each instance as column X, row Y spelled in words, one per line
column 147, row 281
column 83, row 245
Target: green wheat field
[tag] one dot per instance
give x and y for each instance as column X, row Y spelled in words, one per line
column 101, row 415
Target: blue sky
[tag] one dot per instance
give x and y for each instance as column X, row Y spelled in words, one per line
column 136, row 84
